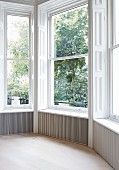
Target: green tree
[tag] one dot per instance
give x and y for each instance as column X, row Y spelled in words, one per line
column 71, row 38
column 19, row 52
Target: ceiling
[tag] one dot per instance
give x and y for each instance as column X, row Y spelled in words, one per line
column 28, row 2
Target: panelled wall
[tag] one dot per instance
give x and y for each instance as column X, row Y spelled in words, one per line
column 14, row 123
column 68, row 128
column 106, row 144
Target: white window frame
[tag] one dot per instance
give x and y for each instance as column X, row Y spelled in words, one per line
column 16, row 12
column 112, row 46
column 52, row 58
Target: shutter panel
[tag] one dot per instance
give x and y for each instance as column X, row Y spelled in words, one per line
column 1, row 58
column 42, row 58
column 99, row 55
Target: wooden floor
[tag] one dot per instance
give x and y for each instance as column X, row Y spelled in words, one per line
column 33, row 152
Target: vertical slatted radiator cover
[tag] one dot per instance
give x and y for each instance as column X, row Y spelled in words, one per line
column 14, row 123
column 64, row 127
column 106, row 143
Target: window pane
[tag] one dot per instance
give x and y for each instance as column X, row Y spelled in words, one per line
column 116, row 22
column 17, row 82
column 116, row 81
column 17, row 37
column 71, row 32
column 71, row 82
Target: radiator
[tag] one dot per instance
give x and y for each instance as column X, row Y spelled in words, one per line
column 106, row 143
column 64, row 127
column 14, row 123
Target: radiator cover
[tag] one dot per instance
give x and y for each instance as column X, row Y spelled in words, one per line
column 69, row 128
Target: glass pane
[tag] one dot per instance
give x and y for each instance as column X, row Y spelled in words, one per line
column 17, row 82
column 71, row 32
column 116, row 22
column 71, row 82
column 17, row 37
column 116, row 81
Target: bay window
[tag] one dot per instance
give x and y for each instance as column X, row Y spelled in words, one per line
column 68, row 59
column 16, row 56
column 17, row 60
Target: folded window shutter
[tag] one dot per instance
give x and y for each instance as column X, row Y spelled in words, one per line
column 99, row 55
column 42, row 58
column 1, row 58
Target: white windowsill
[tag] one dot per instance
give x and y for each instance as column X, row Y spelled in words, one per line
column 16, row 110
column 113, row 126
column 71, row 113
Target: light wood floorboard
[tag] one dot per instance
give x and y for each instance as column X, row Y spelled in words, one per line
column 35, row 152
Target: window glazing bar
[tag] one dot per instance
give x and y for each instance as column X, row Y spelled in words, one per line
column 69, row 57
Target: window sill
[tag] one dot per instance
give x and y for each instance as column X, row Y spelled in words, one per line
column 113, row 126
column 16, row 110
column 79, row 114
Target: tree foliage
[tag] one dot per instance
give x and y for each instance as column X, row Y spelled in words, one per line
column 18, row 82
column 71, row 38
